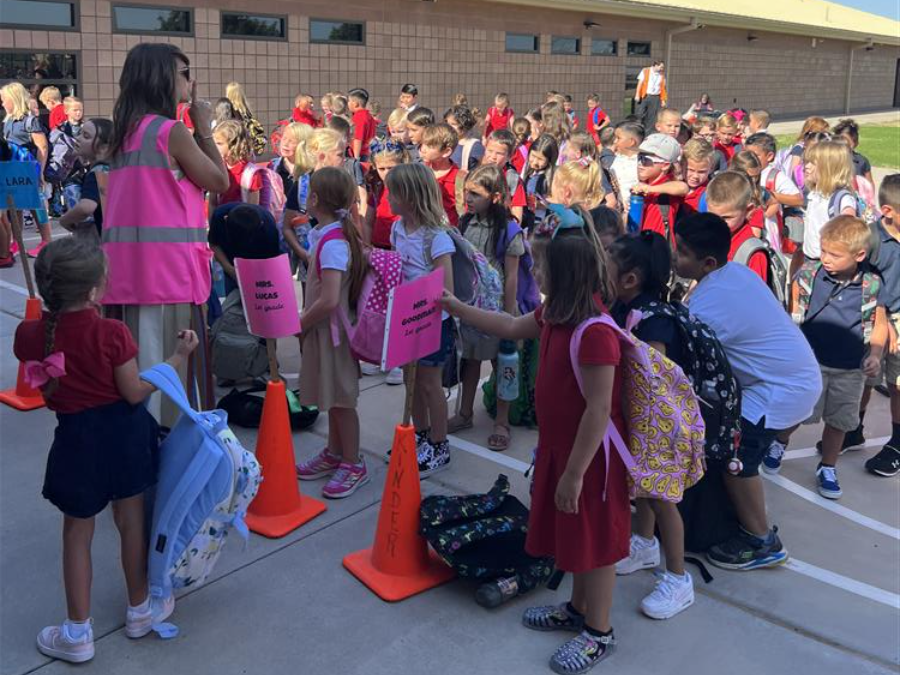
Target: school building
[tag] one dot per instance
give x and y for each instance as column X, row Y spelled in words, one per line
column 790, row 56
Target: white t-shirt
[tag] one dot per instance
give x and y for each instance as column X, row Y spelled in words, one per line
column 816, row 217
column 779, row 376
column 782, row 185
column 625, row 169
column 654, row 84
column 411, row 248
column 335, row 254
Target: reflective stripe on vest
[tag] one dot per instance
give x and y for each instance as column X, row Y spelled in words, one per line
column 154, row 235
column 147, row 155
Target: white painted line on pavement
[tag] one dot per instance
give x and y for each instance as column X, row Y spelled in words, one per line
column 812, row 452
column 829, row 505
column 484, row 453
column 14, row 288
column 840, row 581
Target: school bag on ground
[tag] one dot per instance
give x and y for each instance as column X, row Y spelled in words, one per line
column 663, row 450
column 777, row 277
column 706, row 366
column 244, row 408
column 383, row 274
column 206, row 483
column 708, row 514
column 271, row 193
column 482, row 536
column 236, row 354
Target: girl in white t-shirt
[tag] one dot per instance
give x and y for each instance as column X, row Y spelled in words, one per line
column 828, row 175
column 421, row 238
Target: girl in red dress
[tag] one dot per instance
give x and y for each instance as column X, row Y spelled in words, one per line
column 571, row 519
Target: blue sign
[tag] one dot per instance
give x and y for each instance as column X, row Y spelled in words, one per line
column 22, row 181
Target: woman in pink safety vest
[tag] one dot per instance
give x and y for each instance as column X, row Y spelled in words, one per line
column 154, row 227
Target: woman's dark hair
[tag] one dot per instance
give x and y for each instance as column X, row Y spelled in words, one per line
column 549, row 148
column 648, row 255
column 576, row 270
column 147, row 85
column 464, row 117
column 493, row 180
column 224, row 111
column 104, row 128
column 606, row 221
column 706, row 235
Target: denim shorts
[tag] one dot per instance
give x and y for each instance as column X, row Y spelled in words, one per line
column 444, row 351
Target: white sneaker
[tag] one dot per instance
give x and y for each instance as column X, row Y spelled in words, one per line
column 671, row 596
column 140, row 623
column 395, row 377
column 58, row 643
column 642, row 556
column 369, row 369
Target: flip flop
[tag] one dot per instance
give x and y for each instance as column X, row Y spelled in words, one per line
column 499, row 442
column 459, row 422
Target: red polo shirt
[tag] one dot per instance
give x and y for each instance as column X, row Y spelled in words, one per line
column 57, row 116
column 653, row 218
column 498, row 120
column 691, row 204
column 305, row 117
column 364, row 127
column 447, row 184
column 758, row 262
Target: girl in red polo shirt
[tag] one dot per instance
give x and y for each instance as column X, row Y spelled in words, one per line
column 499, row 116
column 380, row 219
column 105, row 443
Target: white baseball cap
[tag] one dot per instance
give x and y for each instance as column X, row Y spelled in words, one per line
column 661, row 146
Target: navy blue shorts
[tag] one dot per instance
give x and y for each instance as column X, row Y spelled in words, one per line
column 443, row 353
column 100, row 455
column 755, row 440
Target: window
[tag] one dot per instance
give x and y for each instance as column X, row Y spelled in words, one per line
column 343, row 32
column 136, row 19
column 601, row 47
column 525, row 44
column 235, row 25
column 638, row 49
column 37, row 14
column 36, row 71
column 565, row 45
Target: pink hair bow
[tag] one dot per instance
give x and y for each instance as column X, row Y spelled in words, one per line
column 38, row 373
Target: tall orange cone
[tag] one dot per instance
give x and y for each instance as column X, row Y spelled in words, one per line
column 399, row 564
column 24, row 397
column 279, row 507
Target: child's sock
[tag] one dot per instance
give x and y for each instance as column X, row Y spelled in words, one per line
column 76, row 630
column 643, row 541
column 895, row 435
column 821, row 464
column 570, row 608
column 142, row 608
column 597, row 633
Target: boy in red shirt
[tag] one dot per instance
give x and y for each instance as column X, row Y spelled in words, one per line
column 364, row 124
column 438, row 143
column 658, row 157
column 52, row 99
column 597, row 119
column 498, row 150
column 697, row 162
column 726, row 137
column 304, row 113
column 730, row 196
column 499, row 116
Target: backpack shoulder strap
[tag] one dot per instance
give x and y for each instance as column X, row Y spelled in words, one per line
column 163, row 377
column 804, row 279
column 513, row 229
column 749, row 248
column 334, row 235
column 247, row 178
column 834, row 202
column 871, row 285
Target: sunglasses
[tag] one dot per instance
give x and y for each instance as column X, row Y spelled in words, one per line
column 186, row 72
column 649, row 160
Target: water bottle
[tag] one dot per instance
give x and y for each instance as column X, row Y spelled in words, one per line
column 495, row 593
column 508, row 371
column 218, row 279
column 635, row 213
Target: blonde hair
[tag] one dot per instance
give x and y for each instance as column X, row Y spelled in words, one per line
column 234, row 92
column 834, row 166
column 730, row 188
column 813, row 125
column 667, row 112
column 849, row 231
column 697, row 150
column 69, row 101
column 521, row 129
column 326, row 100
column 584, row 143
column 302, row 97
column 339, row 105
column 743, row 162
column 16, row 93
column 322, row 140
column 726, row 120
column 300, row 133
column 762, row 117
column 416, row 186
column 236, row 138
column 49, row 95
column 441, row 136
column 397, row 118
column 584, row 180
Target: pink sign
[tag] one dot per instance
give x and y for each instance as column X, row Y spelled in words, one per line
column 267, row 291
column 413, row 321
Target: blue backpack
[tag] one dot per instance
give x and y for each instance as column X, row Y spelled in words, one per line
column 206, row 483
column 527, row 295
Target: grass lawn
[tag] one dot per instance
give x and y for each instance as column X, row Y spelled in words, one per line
column 880, row 143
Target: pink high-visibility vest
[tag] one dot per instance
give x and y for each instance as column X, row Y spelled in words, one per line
column 154, row 229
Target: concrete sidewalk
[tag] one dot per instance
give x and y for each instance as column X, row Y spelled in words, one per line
column 795, row 126
column 286, row 606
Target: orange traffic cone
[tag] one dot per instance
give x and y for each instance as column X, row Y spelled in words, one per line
column 279, row 507
column 399, row 564
column 24, row 397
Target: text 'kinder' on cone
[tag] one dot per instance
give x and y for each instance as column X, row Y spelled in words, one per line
column 24, row 397
column 279, row 507
column 399, row 564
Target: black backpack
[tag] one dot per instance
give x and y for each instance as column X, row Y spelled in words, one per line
column 704, row 361
column 244, row 408
column 483, row 536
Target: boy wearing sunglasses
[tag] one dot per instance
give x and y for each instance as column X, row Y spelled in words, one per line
column 658, row 157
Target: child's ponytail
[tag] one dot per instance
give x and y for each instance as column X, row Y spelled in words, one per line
column 583, row 175
column 647, row 254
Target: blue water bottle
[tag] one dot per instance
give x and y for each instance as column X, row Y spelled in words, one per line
column 508, row 371
column 635, row 213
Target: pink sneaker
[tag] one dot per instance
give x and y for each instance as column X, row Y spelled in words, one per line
column 346, row 480
column 13, row 248
column 323, row 464
column 33, row 252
